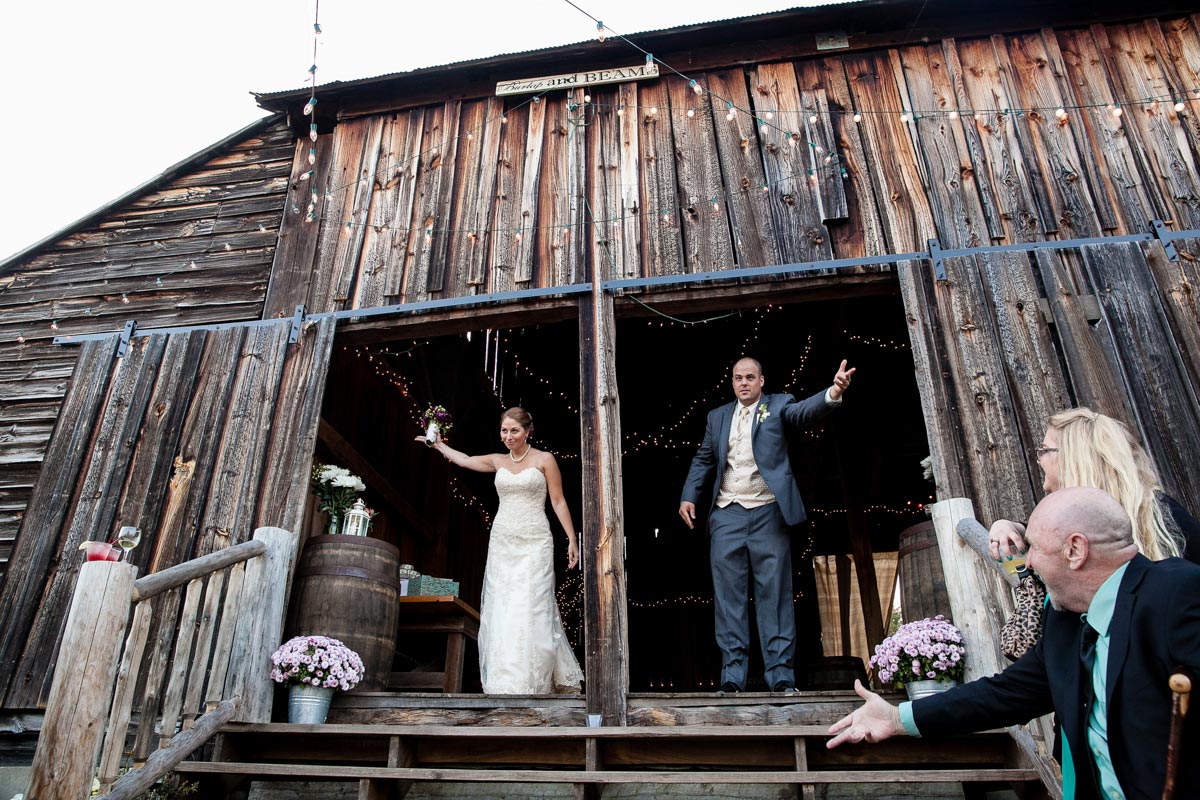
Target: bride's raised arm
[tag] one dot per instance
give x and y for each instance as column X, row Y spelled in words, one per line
column 460, row 459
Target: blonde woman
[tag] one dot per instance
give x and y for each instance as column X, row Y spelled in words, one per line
column 1084, row 448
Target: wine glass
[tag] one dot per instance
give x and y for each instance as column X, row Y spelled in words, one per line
column 128, row 538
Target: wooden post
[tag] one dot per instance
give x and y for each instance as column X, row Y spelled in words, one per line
column 979, row 600
column 602, row 545
column 80, row 695
column 260, row 625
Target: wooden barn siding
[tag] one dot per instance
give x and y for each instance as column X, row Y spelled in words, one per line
column 169, row 438
column 192, row 218
column 1007, row 338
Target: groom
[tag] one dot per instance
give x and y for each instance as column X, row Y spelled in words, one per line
column 744, row 456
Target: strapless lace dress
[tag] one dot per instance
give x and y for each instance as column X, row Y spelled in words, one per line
column 522, row 646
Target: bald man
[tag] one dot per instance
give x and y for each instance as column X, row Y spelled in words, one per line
column 1140, row 621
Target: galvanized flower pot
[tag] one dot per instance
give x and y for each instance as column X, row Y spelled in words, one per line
column 308, row 705
column 917, row 689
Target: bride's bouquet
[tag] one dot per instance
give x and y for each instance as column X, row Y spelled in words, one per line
column 437, row 423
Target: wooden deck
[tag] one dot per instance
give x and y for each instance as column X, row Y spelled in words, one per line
column 765, row 738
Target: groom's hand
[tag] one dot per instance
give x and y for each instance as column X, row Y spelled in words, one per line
column 688, row 512
column 841, row 381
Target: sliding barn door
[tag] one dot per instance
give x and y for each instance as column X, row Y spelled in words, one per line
column 197, row 438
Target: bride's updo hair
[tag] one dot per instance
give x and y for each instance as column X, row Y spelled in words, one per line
column 519, row 416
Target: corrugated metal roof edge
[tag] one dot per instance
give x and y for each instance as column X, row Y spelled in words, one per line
column 169, row 174
column 285, row 94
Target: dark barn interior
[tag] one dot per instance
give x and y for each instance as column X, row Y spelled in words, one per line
column 860, row 473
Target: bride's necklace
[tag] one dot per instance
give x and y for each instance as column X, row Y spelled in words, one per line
column 522, row 458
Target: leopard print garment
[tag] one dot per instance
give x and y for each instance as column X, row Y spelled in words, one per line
column 1024, row 628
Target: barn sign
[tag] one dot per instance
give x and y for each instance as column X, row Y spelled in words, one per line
column 574, row 80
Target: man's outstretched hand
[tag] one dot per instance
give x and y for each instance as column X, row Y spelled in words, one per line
column 841, row 381
column 873, row 721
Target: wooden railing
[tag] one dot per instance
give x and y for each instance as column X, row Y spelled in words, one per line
column 236, row 594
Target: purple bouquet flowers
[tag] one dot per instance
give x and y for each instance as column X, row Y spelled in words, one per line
column 925, row 650
column 316, row 661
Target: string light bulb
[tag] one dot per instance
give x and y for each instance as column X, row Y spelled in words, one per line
column 691, row 112
column 1060, row 112
column 697, row 88
column 20, row 338
column 600, row 34
column 312, row 131
column 312, row 156
column 53, row 324
column 1179, row 105
column 124, row 298
column 952, row 114
column 812, row 118
column 310, row 106
column 770, row 115
column 904, row 117
column 653, row 110
column 857, row 117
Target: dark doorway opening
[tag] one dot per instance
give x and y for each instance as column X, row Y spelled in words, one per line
column 859, row 469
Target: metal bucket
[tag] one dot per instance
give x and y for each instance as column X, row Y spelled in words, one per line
column 917, row 689
column 308, row 705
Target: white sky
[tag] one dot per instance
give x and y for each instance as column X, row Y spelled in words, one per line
column 102, row 95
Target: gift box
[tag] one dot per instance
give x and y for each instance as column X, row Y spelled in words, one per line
column 429, row 586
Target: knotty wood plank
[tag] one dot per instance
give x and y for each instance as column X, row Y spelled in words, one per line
column 613, row 170
column 173, row 697
column 118, row 717
column 232, row 496
column 222, row 649
column 788, row 153
column 257, row 635
column 661, row 204
column 831, row 195
column 202, row 652
column 293, row 428
column 755, row 241
column 474, row 193
column 702, row 192
column 342, row 270
column 431, row 203
column 518, row 165
column 1104, row 135
column 945, row 165
column 97, row 493
column 1165, row 401
column 1006, row 186
column 73, row 727
column 389, row 235
column 562, row 218
column 292, row 271
column 861, row 233
column 907, row 218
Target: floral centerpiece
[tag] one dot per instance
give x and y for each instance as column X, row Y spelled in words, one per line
column 336, row 489
column 925, row 650
column 314, row 667
column 437, row 422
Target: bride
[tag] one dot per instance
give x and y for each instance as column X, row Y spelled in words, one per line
column 522, row 646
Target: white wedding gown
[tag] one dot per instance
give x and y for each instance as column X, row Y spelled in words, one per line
column 522, row 646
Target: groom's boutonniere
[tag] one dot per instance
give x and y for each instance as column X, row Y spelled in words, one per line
column 763, row 413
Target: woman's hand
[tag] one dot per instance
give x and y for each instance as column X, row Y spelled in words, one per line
column 1006, row 538
column 572, row 554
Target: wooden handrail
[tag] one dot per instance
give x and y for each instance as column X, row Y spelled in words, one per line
column 178, row 575
column 133, row 783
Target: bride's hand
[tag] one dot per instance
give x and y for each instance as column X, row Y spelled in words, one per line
column 572, row 555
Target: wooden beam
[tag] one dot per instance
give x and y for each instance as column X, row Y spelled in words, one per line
column 348, row 456
column 602, row 546
column 178, row 575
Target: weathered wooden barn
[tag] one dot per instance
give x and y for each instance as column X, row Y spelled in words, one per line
column 991, row 209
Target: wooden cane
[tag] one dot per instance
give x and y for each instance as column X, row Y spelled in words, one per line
column 1181, row 687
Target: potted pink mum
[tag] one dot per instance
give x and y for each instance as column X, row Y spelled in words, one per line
column 922, row 657
column 313, row 667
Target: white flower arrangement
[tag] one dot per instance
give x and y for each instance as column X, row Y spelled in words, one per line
column 335, row 487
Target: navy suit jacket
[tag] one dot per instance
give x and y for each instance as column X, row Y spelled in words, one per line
column 769, row 442
column 1155, row 630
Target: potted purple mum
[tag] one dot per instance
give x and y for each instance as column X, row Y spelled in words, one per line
column 922, row 657
column 313, row 667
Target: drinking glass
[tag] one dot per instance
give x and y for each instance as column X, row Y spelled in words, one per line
column 128, row 538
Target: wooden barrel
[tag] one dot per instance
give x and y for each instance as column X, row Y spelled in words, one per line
column 347, row 587
column 834, row 672
column 922, row 582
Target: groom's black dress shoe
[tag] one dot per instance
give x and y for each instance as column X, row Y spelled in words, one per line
column 729, row 687
column 784, row 686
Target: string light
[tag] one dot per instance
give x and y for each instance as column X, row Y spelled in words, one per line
column 600, row 34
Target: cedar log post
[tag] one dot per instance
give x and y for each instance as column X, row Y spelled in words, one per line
column 78, row 705
column 602, row 539
column 979, row 601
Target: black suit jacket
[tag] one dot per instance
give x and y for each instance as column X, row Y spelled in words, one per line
column 1155, row 630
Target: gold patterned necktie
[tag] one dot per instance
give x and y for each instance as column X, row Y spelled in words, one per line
column 741, row 425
